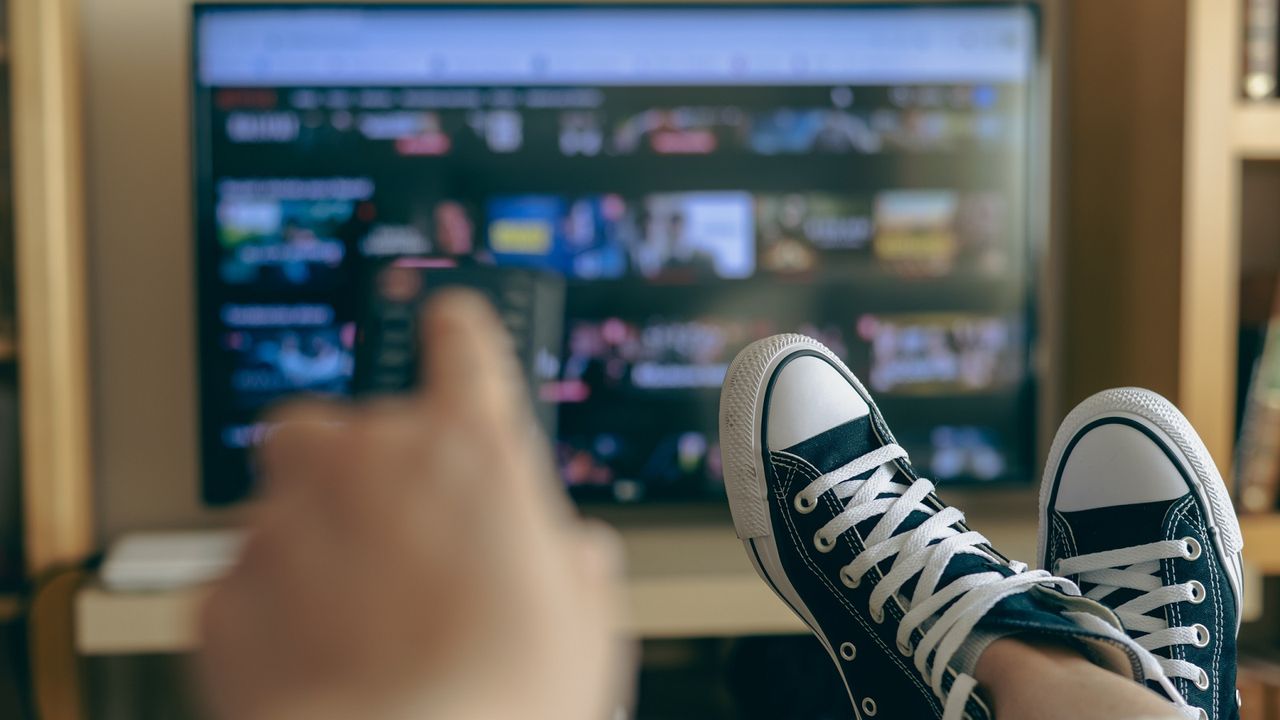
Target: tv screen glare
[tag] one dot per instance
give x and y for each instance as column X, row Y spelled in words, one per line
column 700, row 176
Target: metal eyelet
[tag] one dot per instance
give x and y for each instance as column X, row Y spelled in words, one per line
column 1202, row 682
column 905, row 650
column 849, row 580
column 804, row 505
column 1193, row 548
column 1202, row 636
column 869, row 707
column 848, row 651
column 823, row 543
column 1197, row 592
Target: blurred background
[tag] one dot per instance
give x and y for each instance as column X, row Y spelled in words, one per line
column 990, row 210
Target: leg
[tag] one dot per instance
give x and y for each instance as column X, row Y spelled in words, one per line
column 904, row 595
column 1026, row 680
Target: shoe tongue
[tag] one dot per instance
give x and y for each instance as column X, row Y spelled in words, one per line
column 1119, row 526
column 838, row 446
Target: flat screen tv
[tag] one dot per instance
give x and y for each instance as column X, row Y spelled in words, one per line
column 701, row 176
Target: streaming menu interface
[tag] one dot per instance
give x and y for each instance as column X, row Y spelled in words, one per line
column 700, row 177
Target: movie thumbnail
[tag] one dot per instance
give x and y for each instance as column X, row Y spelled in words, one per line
column 930, row 233
column 612, row 356
column 597, row 231
column 942, row 354
column 584, row 237
column 581, row 133
column 982, row 227
column 524, row 230
column 616, row 356
column 959, row 453
column 678, row 131
column 798, row 131
column 286, row 232
column 279, row 350
column 801, row 232
column 695, row 236
column 915, row 231
column 634, row 468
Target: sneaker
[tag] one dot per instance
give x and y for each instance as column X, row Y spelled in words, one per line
column 1133, row 510
column 901, row 593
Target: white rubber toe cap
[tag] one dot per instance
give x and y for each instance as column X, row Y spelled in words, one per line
column 809, row 397
column 1116, row 464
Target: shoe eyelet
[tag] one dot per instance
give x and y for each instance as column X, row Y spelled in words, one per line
column 1197, row 592
column 848, row 651
column 804, row 505
column 877, row 615
column 869, row 707
column 905, row 650
column 1202, row 682
column 823, row 542
column 1193, row 548
column 849, row 580
column 1202, row 636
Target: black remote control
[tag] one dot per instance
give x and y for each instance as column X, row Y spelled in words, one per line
column 388, row 345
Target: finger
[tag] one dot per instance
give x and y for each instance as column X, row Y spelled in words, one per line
column 467, row 356
column 299, row 439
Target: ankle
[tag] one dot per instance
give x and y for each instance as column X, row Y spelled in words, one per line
column 1017, row 674
column 1009, row 659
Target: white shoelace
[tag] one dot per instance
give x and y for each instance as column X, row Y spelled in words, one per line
column 927, row 549
column 1137, row 568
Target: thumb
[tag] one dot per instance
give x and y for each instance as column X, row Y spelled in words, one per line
column 468, row 356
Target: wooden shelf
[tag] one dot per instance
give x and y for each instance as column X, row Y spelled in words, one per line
column 1257, row 130
column 683, row 581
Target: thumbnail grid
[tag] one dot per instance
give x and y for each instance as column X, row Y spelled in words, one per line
column 889, row 222
column 278, row 233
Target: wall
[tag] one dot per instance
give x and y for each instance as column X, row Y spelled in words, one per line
column 1124, row 155
column 138, row 198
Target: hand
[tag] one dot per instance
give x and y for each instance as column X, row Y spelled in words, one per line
column 413, row 559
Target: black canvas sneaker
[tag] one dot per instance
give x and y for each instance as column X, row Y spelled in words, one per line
column 903, row 595
column 1132, row 508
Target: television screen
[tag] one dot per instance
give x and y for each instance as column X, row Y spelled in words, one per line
column 701, row 176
